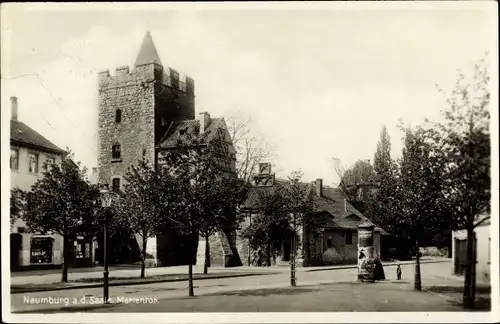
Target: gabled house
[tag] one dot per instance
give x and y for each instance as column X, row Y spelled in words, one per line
column 339, row 239
column 334, row 242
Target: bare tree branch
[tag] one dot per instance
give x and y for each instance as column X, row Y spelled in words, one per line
column 251, row 147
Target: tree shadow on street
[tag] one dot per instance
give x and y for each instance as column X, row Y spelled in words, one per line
column 482, row 304
column 457, row 289
column 265, row 292
column 483, row 297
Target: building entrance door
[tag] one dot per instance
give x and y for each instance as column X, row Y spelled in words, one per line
column 16, row 241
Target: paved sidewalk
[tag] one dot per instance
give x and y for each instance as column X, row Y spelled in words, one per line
column 163, row 274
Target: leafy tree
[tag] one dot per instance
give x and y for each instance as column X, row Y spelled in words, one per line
column 283, row 209
column 144, row 202
column 271, row 225
column 201, row 180
column 62, row 202
column 463, row 137
column 299, row 208
column 382, row 162
column 384, row 208
column 420, row 193
column 15, row 204
column 218, row 215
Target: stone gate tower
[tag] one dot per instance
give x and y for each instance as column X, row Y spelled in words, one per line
column 136, row 108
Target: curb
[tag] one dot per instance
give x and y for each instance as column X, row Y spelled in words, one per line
column 355, row 266
column 99, row 285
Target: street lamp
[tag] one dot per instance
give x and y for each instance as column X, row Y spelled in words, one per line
column 105, row 203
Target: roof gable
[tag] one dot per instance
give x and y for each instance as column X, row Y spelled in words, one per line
column 187, row 130
column 23, row 135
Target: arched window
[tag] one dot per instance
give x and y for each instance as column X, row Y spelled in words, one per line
column 116, row 152
column 118, row 116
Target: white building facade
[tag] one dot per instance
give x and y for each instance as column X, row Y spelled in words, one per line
column 29, row 151
column 483, row 252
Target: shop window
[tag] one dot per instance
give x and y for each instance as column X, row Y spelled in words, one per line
column 41, row 250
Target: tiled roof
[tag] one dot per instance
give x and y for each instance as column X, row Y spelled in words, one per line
column 187, row 129
column 345, row 215
column 23, row 135
column 252, row 200
column 342, row 213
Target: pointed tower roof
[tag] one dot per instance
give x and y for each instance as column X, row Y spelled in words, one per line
column 147, row 53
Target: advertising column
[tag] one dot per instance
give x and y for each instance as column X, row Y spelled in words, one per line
column 366, row 249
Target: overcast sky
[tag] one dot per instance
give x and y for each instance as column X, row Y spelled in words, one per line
column 317, row 83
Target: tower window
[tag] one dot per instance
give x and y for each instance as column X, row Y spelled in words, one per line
column 116, row 152
column 116, row 184
column 118, row 116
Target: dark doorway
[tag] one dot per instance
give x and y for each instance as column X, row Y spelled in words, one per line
column 79, row 254
column 16, row 245
column 460, row 256
column 175, row 249
column 122, row 247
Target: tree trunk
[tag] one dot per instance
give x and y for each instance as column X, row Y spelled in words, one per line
column 418, row 278
column 66, row 243
column 143, row 261
column 190, row 277
column 292, row 262
column 469, row 298
column 91, row 251
column 269, row 254
column 207, row 256
column 450, row 247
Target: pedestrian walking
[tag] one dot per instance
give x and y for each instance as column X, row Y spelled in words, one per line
column 398, row 272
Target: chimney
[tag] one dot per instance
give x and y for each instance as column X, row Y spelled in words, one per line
column 13, row 104
column 319, row 187
column 204, row 118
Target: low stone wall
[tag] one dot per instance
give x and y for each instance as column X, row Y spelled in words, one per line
column 434, row 251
